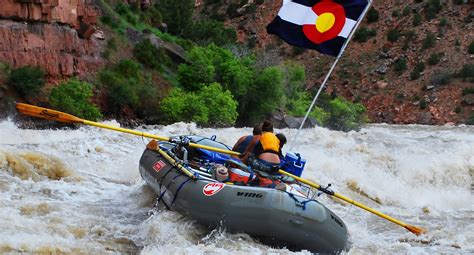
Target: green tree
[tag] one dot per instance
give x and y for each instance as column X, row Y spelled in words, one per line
column 434, row 58
column 128, row 86
column 215, row 64
column 416, row 73
column 27, row 80
column 149, row 55
column 177, row 14
column 363, row 34
column 429, row 41
column 74, row 97
column 417, row 19
column 401, row 65
column 200, row 70
column 372, row 15
column 293, row 82
column 432, row 8
column 264, row 96
column 393, row 35
column 207, row 31
column 470, row 50
column 220, row 109
column 344, row 115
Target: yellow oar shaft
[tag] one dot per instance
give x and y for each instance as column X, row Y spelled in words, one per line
column 411, row 228
column 351, row 201
column 172, row 161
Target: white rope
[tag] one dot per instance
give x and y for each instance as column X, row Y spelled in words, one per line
column 329, row 73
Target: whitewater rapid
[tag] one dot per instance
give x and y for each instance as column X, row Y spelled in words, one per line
column 79, row 191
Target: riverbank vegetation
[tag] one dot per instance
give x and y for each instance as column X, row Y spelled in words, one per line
column 219, row 82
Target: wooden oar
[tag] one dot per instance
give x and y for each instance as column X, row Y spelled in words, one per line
column 49, row 114
column 45, row 113
column 411, row 228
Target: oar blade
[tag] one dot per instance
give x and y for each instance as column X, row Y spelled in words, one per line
column 415, row 230
column 44, row 113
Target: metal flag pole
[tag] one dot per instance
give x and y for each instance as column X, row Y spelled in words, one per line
column 330, row 72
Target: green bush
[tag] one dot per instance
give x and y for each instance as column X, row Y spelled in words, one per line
column 293, row 83
column 470, row 50
column 401, row 65
column 127, row 14
column 27, row 80
column 152, row 16
column 200, row 70
column 218, row 110
column 395, row 13
column 344, row 115
column 409, row 36
column 432, row 8
column 443, row 22
column 74, row 97
column 467, row 71
column 150, row 56
column 468, row 91
column 4, row 72
column 393, row 35
column 429, row 41
column 264, row 96
column 128, row 86
column 434, row 58
column 417, row 19
column 210, row 31
column 215, row 64
column 441, row 78
column 406, row 11
column 222, row 106
column 177, row 14
column 416, row 73
column 372, row 15
column 363, row 34
column 470, row 121
column 423, row 104
column 232, row 10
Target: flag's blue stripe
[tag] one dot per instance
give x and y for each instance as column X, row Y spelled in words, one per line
column 353, row 8
column 293, row 34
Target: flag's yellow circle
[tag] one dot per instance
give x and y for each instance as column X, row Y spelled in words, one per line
column 325, row 21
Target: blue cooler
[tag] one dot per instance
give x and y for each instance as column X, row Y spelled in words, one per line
column 294, row 164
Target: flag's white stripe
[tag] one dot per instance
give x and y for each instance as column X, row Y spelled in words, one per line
column 348, row 26
column 299, row 14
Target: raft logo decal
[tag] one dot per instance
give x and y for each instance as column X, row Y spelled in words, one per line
column 159, row 165
column 212, row 188
column 249, row 194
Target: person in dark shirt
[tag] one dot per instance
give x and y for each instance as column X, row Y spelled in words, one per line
column 244, row 141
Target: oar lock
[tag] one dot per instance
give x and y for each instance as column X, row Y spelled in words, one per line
column 182, row 140
column 325, row 190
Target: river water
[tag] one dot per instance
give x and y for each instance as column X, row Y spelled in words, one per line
column 79, row 191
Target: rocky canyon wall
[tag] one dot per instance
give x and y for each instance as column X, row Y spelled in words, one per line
column 57, row 35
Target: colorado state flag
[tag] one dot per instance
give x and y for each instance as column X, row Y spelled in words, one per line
column 323, row 25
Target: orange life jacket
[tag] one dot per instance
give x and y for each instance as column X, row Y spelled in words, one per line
column 270, row 142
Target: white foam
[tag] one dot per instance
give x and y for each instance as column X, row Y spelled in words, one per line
column 420, row 174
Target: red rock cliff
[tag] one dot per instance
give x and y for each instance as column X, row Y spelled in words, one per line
column 53, row 34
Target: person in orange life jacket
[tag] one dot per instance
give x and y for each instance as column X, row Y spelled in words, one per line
column 244, row 141
column 267, row 151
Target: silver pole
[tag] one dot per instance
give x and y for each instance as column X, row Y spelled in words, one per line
column 330, row 72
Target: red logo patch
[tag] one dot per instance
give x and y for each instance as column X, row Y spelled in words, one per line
column 158, row 165
column 212, row 188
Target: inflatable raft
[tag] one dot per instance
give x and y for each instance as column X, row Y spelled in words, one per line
column 278, row 212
